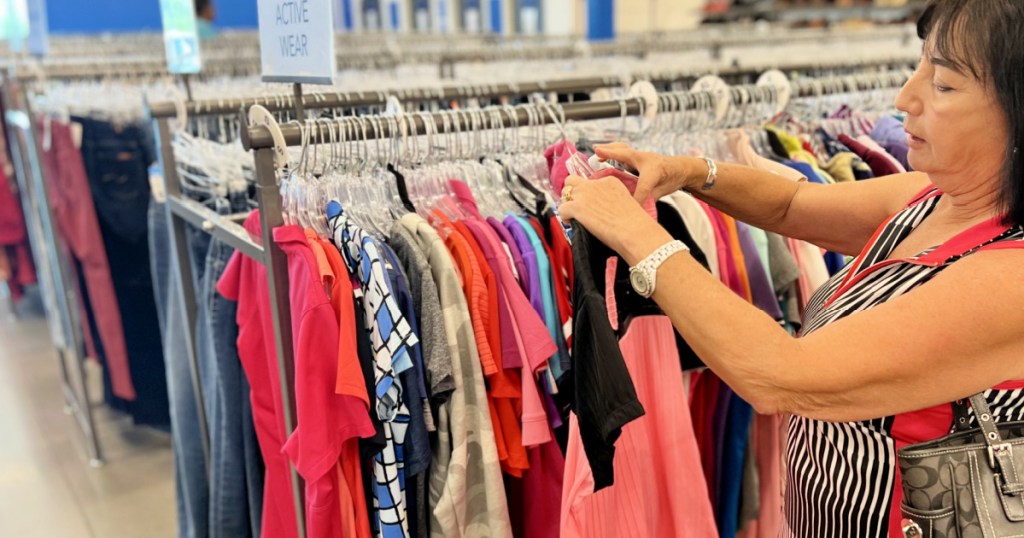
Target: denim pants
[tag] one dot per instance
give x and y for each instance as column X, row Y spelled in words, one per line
column 191, row 484
column 227, row 502
column 236, row 479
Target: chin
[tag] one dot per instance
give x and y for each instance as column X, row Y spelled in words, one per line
column 918, row 162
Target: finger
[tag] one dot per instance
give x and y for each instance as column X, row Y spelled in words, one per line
column 618, row 151
column 643, row 191
column 567, row 211
column 573, row 181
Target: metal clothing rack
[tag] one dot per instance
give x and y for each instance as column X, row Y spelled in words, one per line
column 258, row 138
column 53, row 267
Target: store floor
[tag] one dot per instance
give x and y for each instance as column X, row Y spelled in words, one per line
column 47, row 488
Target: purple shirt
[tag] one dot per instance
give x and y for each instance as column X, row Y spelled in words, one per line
column 513, row 247
column 760, row 285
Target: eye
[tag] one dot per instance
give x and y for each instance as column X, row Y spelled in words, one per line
column 940, row 88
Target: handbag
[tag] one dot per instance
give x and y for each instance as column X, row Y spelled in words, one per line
column 966, row 484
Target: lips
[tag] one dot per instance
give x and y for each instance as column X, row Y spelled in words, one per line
column 914, row 140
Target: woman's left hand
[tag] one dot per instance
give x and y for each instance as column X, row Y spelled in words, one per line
column 610, row 213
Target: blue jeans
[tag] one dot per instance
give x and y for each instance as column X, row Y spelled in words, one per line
column 227, row 502
column 191, row 484
column 236, row 493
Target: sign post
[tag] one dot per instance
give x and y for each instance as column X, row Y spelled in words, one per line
column 181, row 38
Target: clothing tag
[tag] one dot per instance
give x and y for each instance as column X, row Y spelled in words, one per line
column 156, row 183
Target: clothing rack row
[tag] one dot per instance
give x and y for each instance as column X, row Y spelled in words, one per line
column 240, row 59
column 327, row 100
column 259, row 139
column 57, row 286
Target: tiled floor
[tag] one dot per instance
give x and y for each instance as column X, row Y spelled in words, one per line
column 47, row 488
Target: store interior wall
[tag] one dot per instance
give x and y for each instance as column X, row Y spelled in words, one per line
column 97, row 16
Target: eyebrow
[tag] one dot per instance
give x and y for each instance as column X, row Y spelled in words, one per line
column 942, row 62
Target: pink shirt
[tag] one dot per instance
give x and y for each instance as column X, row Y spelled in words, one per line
column 530, row 336
column 325, row 419
column 659, row 490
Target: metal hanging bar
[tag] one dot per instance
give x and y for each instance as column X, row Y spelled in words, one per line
column 280, row 103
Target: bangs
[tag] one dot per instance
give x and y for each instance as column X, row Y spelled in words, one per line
column 956, row 31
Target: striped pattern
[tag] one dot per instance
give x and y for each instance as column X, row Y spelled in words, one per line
column 842, row 477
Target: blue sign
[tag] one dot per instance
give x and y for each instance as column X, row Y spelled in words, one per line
column 181, row 37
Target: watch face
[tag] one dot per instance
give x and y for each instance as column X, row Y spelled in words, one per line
column 640, row 283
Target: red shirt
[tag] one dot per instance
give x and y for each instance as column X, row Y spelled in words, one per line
column 355, row 517
column 325, row 419
column 245, row 282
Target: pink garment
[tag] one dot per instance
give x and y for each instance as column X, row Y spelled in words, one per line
column 726, row 260
column 659, row 488
column 532, row 341
column 813, row 271
column 769, row 442
column 324, row 419
column 75, row 216
column 872, row 145
column 244, row 281
column 558, row 155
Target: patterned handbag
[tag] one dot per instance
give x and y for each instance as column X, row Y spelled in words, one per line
column 966, row 484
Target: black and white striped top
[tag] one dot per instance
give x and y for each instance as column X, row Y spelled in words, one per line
column 842, row 477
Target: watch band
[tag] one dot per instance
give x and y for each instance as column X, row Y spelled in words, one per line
column 648, row 267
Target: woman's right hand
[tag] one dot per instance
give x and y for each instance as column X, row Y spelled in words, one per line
column 659, row 175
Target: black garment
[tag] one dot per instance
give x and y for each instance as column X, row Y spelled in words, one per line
column 117, row 160
column 672, row 221
column 373, row 445
column 604, row 397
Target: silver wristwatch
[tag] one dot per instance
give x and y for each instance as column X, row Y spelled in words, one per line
column 643, row 275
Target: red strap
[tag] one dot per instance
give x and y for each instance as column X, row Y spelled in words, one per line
column 1004, row 245
column 930, row 191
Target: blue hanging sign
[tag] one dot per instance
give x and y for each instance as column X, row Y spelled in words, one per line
column 181, row 37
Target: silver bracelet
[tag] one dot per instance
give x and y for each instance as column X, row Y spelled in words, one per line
column 712, row 173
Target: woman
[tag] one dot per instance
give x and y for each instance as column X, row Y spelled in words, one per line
column 931, row 311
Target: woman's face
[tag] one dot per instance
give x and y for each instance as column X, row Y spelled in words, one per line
column 956, row 127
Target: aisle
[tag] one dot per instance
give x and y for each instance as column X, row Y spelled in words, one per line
column 47, row 488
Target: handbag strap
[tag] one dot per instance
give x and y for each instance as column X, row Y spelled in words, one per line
column 1000, row 453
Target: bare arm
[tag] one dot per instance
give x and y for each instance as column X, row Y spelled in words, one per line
column 839, row 217
column 952, row 337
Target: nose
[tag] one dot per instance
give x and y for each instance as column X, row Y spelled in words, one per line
column 908, row 100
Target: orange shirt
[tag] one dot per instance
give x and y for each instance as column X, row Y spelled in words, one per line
column 504, row 394
column 737, row 253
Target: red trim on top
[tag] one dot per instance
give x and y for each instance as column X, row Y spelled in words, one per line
column 931, row 190
column 969, row 239
column 1004, row 245
column 855, row 275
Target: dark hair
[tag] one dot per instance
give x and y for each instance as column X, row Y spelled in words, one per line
column 983, row 38
column 201, row 5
